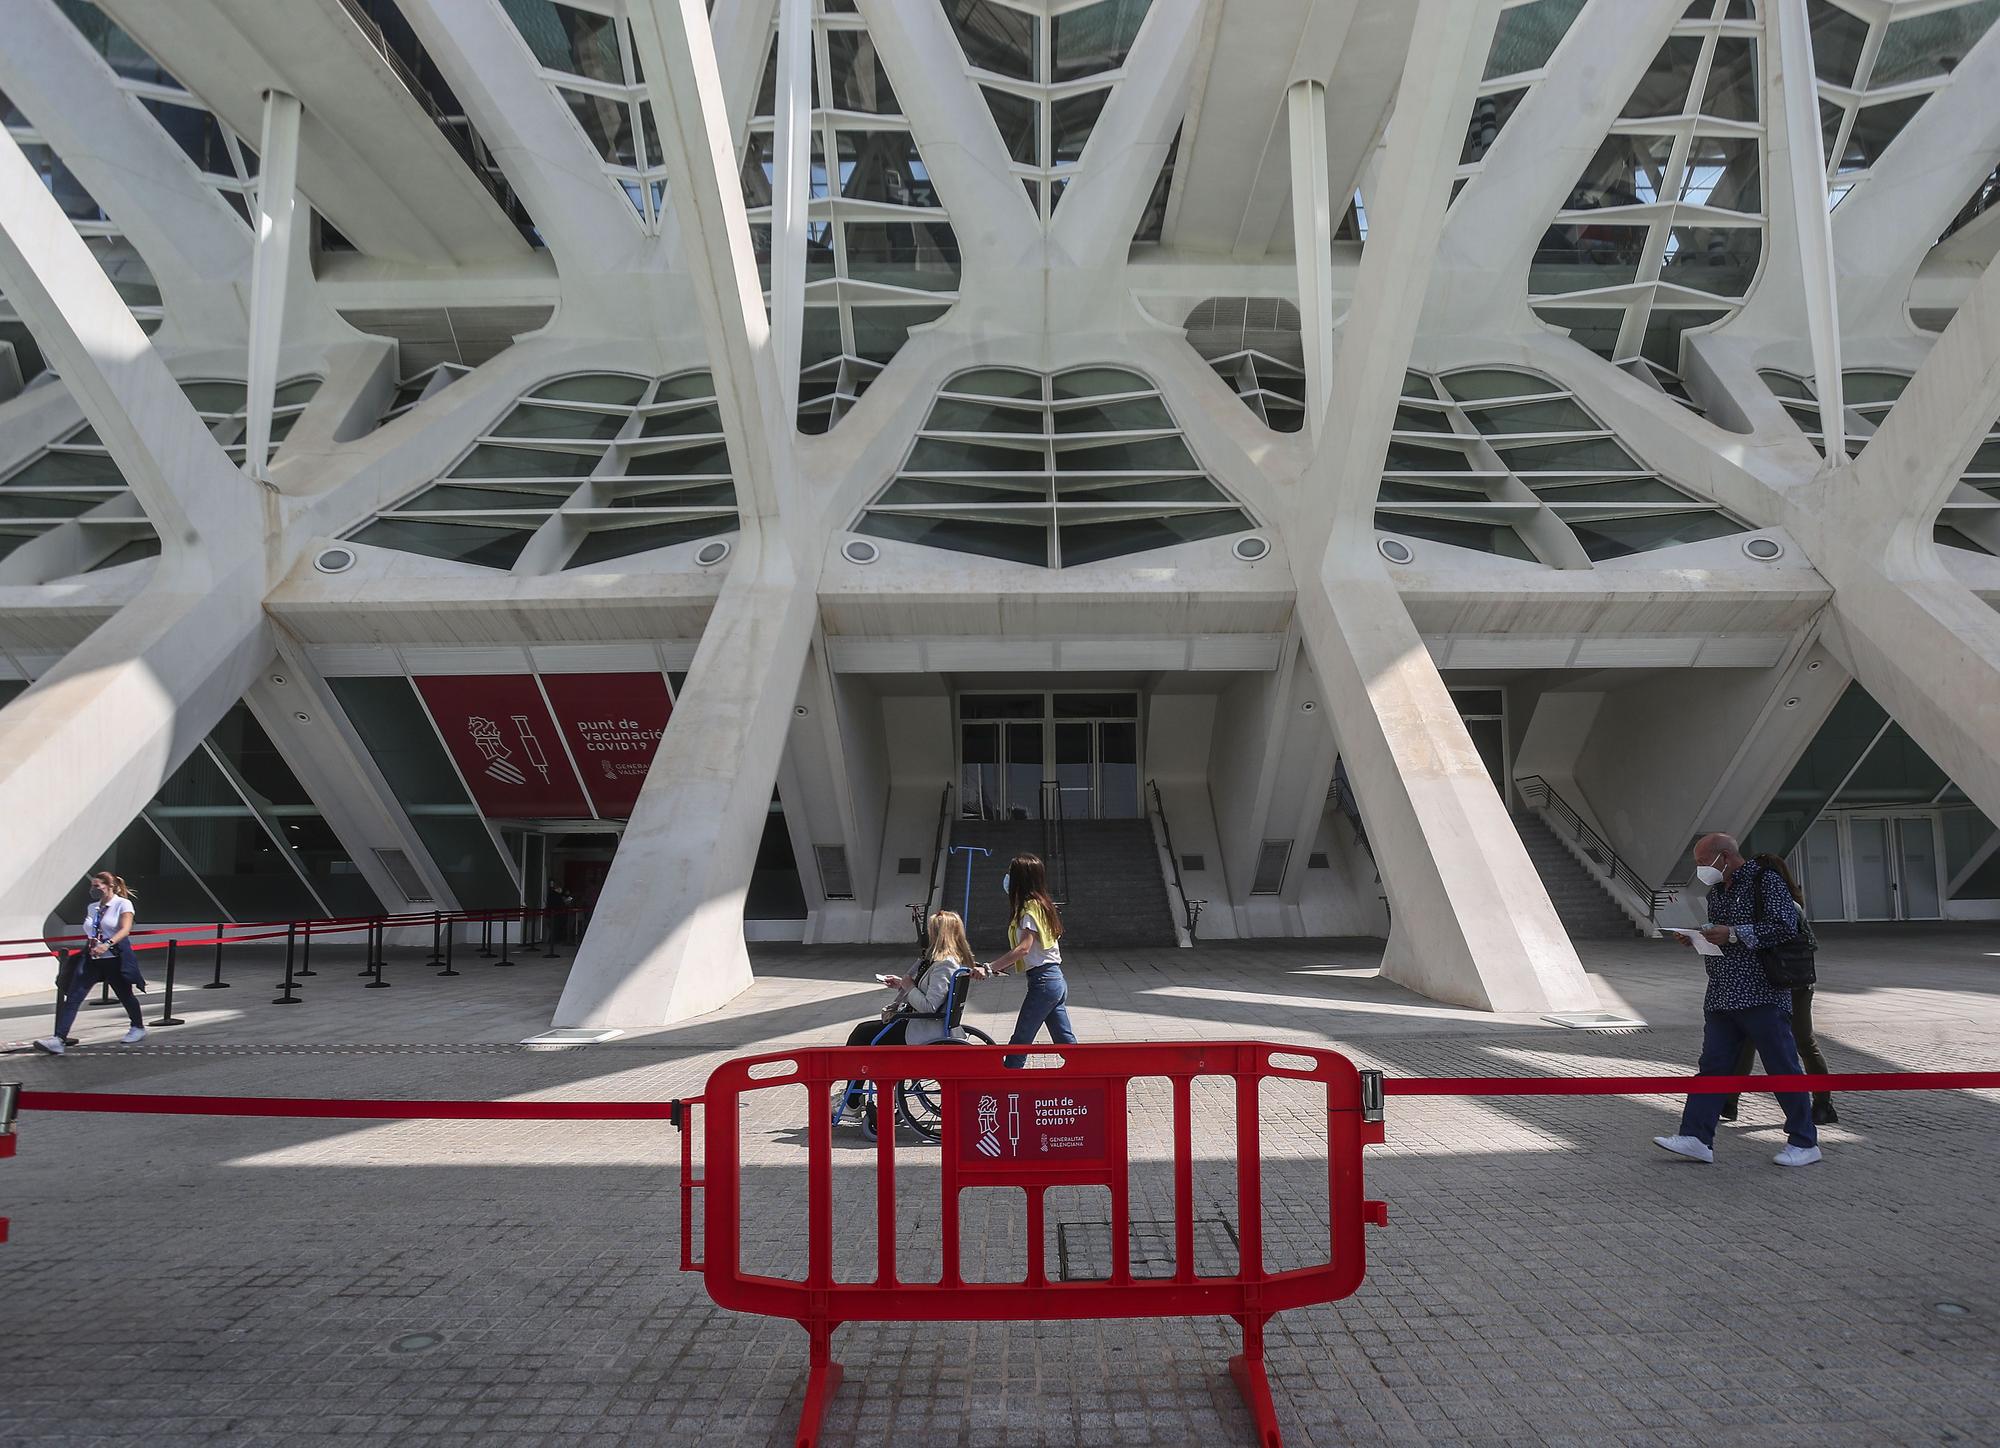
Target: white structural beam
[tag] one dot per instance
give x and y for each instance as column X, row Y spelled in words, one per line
column 1471, row 921
column 84, row 749
column 1312, row 244
column 792, row 157
column 1805, row 165
column 270, row 267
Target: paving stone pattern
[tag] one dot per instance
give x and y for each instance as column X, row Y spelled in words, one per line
column 1548, row 1276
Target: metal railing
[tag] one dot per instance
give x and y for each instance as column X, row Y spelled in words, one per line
column 1190, row 909
column 920, row 910
column 1055, row 841
column 1339, row 795
column 1536, row 792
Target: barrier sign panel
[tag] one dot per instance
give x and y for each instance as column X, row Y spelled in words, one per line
column 1006, row 1122
column 613, row 723
column 500, row 733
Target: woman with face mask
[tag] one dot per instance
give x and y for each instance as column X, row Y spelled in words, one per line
column 106, row 958
column 1034, row 930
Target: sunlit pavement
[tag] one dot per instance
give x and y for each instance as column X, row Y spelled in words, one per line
column 1548, row 1275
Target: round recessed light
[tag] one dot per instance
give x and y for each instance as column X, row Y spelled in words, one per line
column 1252, row 548
column 1394, row 549
column 334, row 560
column 859, row 550
column 1764, row 550
column 1793, row 702
column 303, row 718
column 279, row 679
column 801, row 710
column 1815, row 666
column 1307, row 707
column 712, row 553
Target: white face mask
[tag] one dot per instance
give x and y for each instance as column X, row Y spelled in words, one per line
column 1708, row 875
column 1007, row 884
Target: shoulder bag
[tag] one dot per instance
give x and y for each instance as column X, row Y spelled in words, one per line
column 1788, row 965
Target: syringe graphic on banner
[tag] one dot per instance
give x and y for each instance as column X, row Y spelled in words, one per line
column 532, row 747
column 1014, row 1122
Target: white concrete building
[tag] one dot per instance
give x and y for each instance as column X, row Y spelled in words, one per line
column 1334, row 467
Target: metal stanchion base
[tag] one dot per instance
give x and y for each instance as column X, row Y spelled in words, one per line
column 289, row 1000
column 449, row 971
column 167, row 1021
column 217, row 985
column 376, row 985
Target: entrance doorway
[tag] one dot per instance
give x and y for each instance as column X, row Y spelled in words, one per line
column 563, row 858
column 1085, row 745
column 1870, row 865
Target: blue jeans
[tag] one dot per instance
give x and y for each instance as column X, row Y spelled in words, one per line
column 1769, row 1029
column 77, row 992
column 1047, row 1000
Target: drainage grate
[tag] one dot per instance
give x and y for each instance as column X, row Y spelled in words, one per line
column 1083, row 1249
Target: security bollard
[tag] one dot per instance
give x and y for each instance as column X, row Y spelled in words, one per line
column 450, row 935
column 503, row 960
column 290, row 997
column 167, row 1016
column 218, row 983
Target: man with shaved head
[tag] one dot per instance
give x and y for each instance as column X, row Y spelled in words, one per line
column 1750, row 908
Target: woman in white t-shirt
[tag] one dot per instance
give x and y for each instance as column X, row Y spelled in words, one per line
column 106, row 957
column 1034, row 931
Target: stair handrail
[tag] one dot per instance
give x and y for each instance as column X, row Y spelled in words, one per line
column 1190, row 909
column 1336, row 800
column 1541, row 795
column 920, row 911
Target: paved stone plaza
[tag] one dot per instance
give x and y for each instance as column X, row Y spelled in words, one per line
column 1547, row 1277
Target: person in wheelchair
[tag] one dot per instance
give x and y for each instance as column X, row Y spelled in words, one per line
column 920, row 1013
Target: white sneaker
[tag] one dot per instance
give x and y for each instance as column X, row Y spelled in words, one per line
column 1690, row 1147
column 52, row 1044
column 134, row 1036
column 1797, row 1156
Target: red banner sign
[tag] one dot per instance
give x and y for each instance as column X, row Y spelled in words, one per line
column 506, row 745
column 613, row 723
column 1009, row 1122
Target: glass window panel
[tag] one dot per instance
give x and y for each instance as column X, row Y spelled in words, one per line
column 565, row 38
column 1861, row 386
column 124, row 54
column 441, row 497
column 606, row 123
column 248, row 750
column 1618, row 537
column 693, row 422
column 608, row 543
column 1609, row 490
column 1626, row 171
column 951, row 415
column 1584, row 454
column 1019, row 120
column 40, row 505
column 709, row 459
column 215, row 396
column 1497, row 538
column 775, row 892
column 1837, row 40
column 1482, row 384
column 1951, row 537
column 1874, row 128
column 1527, row 36
column 1784, row 385
column 1014, row 537
column 334, row 876
column 1153, row 490
column 489, row 460
column 609, row 388
column 196, row 132
column 1130, row 415
column 860, row 82
column 997, row 706
column 1663, row 91
column 461, row 542
column 235, row 857
column 1023, row 743
column 884, row 166
column 1723, row 171
column 1093, row 542
column 1561, row 415
column 1397, row 490
column 66, row 470
column 1489, row 114
column 1000, row 382
column 1095, row 38
column 125, row 553
column 879, row 332
column 165, row 893
column 994, row 37
column 1409, row 457
column 528, row 420
column 962, row 492
column 1925, row 47
column 1421, row 419
column 1732, row 80
column 1986, row 459
column 1096, row 382
column 1153, row 455
column 696, row 495
column 937, row 455
column 1831, row 118
column 1718, row 259
column 1071, row 121
column 1577, row 258
column 920, row 256
column 301, row 389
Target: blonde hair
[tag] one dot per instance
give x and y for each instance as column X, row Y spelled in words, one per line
column 118, row 885
column 948, row 940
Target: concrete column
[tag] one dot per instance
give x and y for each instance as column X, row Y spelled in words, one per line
column 270, row 267
column 1312, row 243
column 1471, row 921
column 666, row 942
column 792, row 157
column 1806, row 166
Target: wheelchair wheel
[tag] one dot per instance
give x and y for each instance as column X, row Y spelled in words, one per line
column 920, row 1103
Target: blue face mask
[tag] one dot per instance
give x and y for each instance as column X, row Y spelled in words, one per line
column 1007, row 884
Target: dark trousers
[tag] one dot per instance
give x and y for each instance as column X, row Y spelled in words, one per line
column 873, row 1032
column 78, row 991
column 1810, row 1055
column 1768, row 1029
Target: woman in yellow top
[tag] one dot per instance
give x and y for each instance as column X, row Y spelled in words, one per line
column 1034, row 930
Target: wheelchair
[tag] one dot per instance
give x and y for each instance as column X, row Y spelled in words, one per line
column 919, row 1103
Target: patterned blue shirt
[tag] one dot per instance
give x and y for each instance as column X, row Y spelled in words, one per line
column 1736, row 979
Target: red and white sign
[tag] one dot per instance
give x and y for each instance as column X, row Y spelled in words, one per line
column 1007, row 1122
column 499, row 731
column 613, row 723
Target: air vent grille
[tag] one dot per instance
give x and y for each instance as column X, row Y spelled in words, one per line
column 834, row 880
column 404, row 873
column 1271, row 861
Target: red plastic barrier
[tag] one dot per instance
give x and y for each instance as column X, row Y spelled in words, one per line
column 1033, row 1129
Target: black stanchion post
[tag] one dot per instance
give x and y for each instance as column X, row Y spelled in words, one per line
column 306, row 952
column 437, row 948
column 167, row 1016
column 368, row 955
column 290, row 997
column 381, row 950
column 218, row 983
column 503, row 960
column 549, row 929
column 450, row 935
column 486, row 938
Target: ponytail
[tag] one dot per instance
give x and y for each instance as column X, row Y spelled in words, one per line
column 118, row 884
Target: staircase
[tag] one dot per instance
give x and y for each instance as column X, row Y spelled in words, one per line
column 1583, row 906
column 1117, row 895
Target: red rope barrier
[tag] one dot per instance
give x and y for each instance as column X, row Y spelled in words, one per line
column 342, row 1107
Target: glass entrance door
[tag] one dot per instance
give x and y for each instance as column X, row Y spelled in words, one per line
column 1871, row 867
column 1009, row 744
